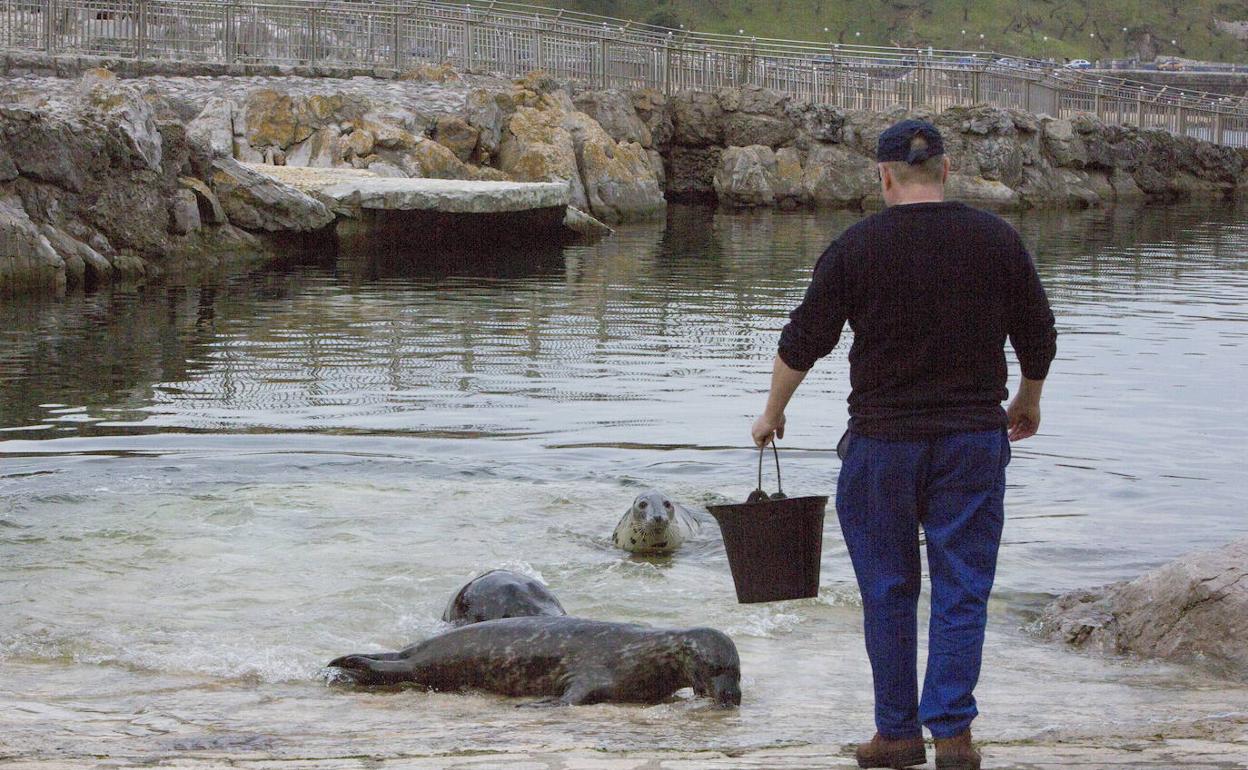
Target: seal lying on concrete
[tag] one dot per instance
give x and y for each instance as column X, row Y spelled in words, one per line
column 654, row 525
column 501, row 594
column 569, row 660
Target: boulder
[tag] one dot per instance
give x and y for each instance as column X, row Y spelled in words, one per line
column 788, row 185
column 210, row 209
column 490, row 113
column 691, row 170
column 966, row 187
column 697, row 119
column 585, row 227
column 614, row 111
column 457, row 135
column 1192, row 609
column 817, row 122
column 185, row 212
column 94, row 267
column 359, row 143
column 537, row 148
column 619, row 181
column 322, row 149
column 213, row 127
column 651, row 107
column 270, row 120
column 430, row 160
column 742, row 129
column 254, row 201
column 1062, row 144
column 837, row 177
column 746, row 176
column 123, row 108
column 27, row 260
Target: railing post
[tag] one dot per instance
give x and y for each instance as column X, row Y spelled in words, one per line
column 468, row 46
column 1139, row 108
column 141, row 32
column 396, row 56
column 49, row 8
column 309, row 53
column 539, row 55
column 667, row 68
column 1218, row 125
column 975, row 93
column 230, row 34
column 605, row 48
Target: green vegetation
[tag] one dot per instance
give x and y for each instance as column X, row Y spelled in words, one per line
column 1089, row 29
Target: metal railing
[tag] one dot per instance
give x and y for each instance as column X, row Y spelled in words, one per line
column 601, row 52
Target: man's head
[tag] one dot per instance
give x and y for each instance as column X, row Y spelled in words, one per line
column 912, row 163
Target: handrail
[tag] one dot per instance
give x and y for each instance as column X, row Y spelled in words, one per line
column 513, row 38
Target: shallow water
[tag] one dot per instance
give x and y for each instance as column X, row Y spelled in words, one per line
column 206, row 492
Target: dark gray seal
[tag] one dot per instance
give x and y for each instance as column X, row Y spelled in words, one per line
column 569, row 660
column 501, row 594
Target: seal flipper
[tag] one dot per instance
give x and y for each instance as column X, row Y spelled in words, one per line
column 368, row 670
column 586, row 690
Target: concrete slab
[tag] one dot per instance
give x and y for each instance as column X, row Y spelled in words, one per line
column 363, row 190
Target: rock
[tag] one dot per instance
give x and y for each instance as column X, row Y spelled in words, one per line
column 95, row 268
column 1192, row 609
column 788, row 186
column 697, row 119
column 185, row 212
column 1124, row 186
column 490, row 112
column 976, row 189
column 27, row 260
column 269, row 119
column 254, row 201
column 999, row 159
column 537, row 148
column 320, row 150
column 8, row 169
column 651, row 107
column 210, row 208
column 46, row 149
column 1062, row 145
column 124, row 108
column 818, row 122
column 214, row 127
column 456, row 135
column 835, row 176
column 358, row 143
column 755, row 100
column 746, row 176
column 385, row 169
column 614, row 111
column 585, row 227
column 691, row 170
column 431, row 160
column 741, row 129
column 444, row 196
column 129, row 267
column 656, row 165
column 619, row 181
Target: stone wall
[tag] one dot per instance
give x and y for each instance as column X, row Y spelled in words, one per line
column 102, row 176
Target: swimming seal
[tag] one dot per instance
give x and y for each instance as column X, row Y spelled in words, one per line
column 569, row 660
column 501, row 594
column 654, row 525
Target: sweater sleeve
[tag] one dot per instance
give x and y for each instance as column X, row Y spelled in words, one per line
column 815, row 326
column 1032, row 331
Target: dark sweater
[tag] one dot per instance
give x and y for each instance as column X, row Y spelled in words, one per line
column 932, row 291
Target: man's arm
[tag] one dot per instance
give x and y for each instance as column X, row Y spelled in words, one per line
column 1033, row 335
column 813, row 330
column 784, row 382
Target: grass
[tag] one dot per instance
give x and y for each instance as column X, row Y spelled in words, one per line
column 1088, row 29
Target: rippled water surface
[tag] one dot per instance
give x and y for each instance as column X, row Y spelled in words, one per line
column 206, row 492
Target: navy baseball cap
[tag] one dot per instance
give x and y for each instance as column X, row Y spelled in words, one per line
column 896, row 142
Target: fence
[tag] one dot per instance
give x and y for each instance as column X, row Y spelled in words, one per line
column 601, row 52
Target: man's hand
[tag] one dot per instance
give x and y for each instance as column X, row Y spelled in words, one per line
column 1023, row 413
column 767, row 427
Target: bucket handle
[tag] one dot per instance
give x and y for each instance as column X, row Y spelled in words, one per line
column 758, row 495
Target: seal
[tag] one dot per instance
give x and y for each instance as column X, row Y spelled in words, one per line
column 570, row 661
column 654, row 525
column 501, row 594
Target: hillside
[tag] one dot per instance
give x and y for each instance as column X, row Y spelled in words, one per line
column 1074, row 28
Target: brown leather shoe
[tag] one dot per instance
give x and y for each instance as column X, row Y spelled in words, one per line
column 956, row 753
column 897, row 754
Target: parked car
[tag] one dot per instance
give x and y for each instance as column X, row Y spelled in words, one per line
column 1170, row 65
column 1079, row 64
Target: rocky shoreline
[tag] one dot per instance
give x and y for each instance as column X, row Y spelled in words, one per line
column 105, row 178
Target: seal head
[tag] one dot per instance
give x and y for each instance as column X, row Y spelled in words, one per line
column 501, row 594
column 654, row 524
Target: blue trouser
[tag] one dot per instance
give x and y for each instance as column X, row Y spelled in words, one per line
column 954, row 486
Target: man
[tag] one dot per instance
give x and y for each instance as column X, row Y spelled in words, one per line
column 932, row 290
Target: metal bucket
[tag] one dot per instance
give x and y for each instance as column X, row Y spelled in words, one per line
column 774, row 543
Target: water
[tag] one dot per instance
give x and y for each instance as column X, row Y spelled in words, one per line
column 206, row 492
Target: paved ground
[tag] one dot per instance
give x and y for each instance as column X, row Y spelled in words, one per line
column 1186, row 753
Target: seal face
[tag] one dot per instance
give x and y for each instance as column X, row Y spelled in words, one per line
column 654, row 525
column 569, row 660
column 501, row 594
